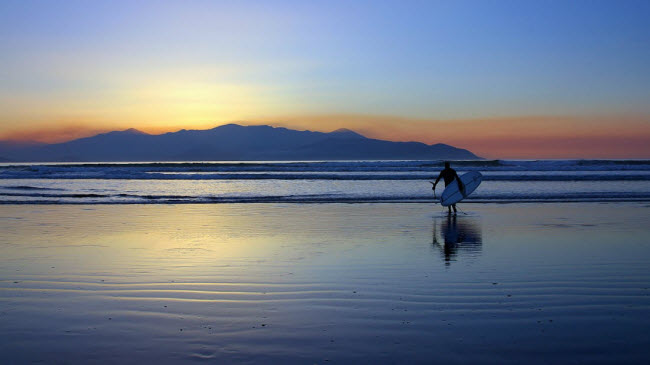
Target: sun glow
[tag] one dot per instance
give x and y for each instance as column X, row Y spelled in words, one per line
column 390, row 72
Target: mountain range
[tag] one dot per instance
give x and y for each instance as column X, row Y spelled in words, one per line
column 229, row 142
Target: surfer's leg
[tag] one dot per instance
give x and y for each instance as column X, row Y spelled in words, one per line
column 454, row 205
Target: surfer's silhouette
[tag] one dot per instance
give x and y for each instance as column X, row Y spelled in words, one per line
column 449, row 175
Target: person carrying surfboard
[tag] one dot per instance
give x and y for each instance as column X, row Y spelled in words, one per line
column 449, row 175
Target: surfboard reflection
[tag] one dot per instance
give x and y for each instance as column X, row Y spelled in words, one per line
column 457, row 236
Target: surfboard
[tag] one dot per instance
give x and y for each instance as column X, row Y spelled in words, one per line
column 453, row 195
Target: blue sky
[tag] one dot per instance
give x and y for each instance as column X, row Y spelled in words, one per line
column 192, row 63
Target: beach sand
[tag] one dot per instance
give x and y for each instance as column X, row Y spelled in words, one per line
column 325, row 283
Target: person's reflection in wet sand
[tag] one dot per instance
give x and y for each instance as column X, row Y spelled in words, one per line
column 457, row 236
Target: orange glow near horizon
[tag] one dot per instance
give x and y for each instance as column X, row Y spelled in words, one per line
column 510, row 137
column 561, row 86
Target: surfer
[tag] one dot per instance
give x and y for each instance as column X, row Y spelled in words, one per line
column 449, row 175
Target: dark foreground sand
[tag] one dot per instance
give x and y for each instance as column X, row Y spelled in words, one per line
column 325, row 283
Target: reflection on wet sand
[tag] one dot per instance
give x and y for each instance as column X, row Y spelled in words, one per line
column 324, row 283
column 457, row 236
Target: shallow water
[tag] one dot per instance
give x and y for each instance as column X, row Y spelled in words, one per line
column 317, row 283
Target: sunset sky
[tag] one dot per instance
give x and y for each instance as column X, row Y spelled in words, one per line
column 505, row 79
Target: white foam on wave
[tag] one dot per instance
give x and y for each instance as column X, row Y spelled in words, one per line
column 319, row 181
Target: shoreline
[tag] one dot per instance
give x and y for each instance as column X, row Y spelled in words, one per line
column 328, row 202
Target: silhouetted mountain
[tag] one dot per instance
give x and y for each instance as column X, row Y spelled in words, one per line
column 229, row 142
column 344, row 132
column 15, row 148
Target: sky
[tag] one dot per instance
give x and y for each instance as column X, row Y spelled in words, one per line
column 505, row 79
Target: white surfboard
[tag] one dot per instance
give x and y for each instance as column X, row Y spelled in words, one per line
column 453, row 195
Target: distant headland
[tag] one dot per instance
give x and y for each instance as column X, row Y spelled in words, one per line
column 231, row 142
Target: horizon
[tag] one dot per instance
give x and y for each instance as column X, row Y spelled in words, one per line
column 503, row 80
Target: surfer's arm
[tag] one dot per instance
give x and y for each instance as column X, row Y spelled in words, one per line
column 436, row 183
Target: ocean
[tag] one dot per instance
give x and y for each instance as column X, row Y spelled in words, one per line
column 130, row 263
column 318, row 181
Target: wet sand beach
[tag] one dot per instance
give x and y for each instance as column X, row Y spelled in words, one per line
column 325, row 283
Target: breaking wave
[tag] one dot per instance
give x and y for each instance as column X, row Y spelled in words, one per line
column 318, row 181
